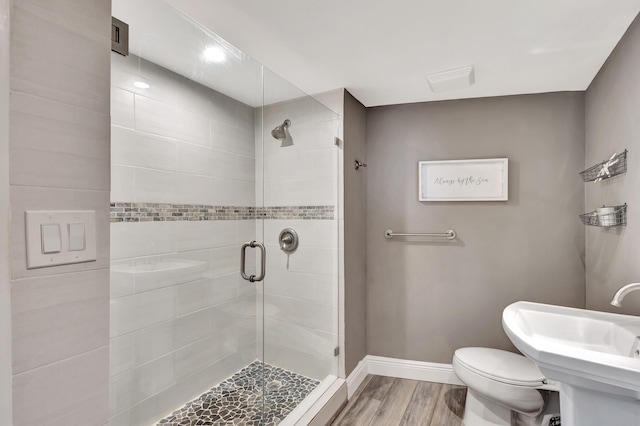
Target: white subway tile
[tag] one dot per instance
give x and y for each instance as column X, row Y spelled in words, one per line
column 61, row 390
column 225, row 260
column 326, row 289
column 126, row 70
column 301, row 312
column 58, row 316
column 37, row 36
column 312, row 233
column 133, row 148
column 239, row 140
column 204, row 234
column 123, row 418
column 315, row 367
column 58, row 145
column 246, row 231
column 192, row 189
column 156, row 186
column 122, row 280
column 195, row 159
column 33, row 167
column 92, row 15
column 318, row 288
column 159, row 340
column 122, row 110
column 131, row 313
column 245, row 287
column 122, row 183
column 147, row 412
column 214, row 163
column 305, row 192
column 121, row 354
column 226, row 192
column 225, row 109
column 227, row 314
column 295, row 164
column 166, row 120
column 206, row 293
column 203, row 353
column 316, row 136
column 120, row 393
column 306, row 259
column 233, row 166
column 299, row 111
column 298, row 338
column 246, row 332
column 152, row 377
column 168, row 270
column 133, row 239
column 85, row 414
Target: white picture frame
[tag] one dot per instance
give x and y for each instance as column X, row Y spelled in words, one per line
column 464, row 180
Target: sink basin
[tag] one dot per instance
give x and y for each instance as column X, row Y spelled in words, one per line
column 594, row 355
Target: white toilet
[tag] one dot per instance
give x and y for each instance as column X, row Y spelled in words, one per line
column 504, row 389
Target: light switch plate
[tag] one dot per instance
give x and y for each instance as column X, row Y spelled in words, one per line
column 51, row 240
column 34, row 221
column 77, row 237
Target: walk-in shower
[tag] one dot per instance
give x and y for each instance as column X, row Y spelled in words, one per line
column 195, row 175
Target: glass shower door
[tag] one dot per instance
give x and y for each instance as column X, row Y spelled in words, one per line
column 297, row 190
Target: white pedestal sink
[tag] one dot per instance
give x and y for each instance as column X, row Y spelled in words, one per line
column 594, row 355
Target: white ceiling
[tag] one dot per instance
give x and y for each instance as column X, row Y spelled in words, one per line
column 382, row 51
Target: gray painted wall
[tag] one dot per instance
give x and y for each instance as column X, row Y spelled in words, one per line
column 354, row 232
column 5, row 294
column 426, row 298
column 612, row 111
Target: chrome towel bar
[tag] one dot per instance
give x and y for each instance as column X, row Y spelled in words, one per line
column 450, row 234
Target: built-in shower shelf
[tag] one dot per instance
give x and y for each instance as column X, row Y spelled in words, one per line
column 606, row 216
column 614, row 166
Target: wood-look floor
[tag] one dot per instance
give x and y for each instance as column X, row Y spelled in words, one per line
column 387, row 401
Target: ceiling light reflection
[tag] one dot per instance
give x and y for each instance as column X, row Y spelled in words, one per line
column 214, row 54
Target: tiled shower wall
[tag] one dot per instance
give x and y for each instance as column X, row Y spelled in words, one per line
column 181, row 317
column 59, row 160
column 301, row 289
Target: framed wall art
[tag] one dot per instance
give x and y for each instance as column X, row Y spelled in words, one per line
column 464, row 180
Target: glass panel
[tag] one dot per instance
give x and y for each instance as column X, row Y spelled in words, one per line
column 185, row 121
column 300, row 291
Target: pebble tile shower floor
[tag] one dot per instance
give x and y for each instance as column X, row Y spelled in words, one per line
column 239, row 399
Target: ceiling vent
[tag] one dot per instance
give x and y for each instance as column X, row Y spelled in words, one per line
column 454, row 79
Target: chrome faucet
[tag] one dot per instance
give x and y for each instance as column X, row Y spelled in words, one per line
column 622, row 292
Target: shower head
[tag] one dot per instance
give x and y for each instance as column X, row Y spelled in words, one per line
column 282, row 134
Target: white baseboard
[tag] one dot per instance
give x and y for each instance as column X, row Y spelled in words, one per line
column 400, row 368
column 357, row 376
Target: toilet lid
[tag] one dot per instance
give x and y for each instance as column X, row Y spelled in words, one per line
column 502, row 366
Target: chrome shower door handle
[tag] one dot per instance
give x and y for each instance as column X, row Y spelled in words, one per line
column 263, row 261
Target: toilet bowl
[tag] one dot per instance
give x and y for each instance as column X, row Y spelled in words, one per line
column 503, row 388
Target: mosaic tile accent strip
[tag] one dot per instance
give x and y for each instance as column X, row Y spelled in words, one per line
column 163, row 212
column 297, row 212
column 239, row 399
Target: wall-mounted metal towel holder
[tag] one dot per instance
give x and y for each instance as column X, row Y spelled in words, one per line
column 450, row 234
